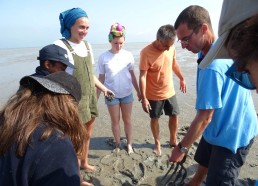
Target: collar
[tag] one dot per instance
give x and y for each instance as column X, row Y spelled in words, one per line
column 201, row 56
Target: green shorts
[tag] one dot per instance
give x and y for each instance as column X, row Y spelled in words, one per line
column 88, row 107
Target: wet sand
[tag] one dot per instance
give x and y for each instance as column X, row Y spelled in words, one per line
column 143, row 167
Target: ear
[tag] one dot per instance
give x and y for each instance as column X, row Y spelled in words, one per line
column 46, row 64
column 157, row 42
column 204, row 27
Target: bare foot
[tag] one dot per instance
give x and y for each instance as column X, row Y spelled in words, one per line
column 85, row 183
column 130, row 149
column 117, row 148
column 88, row 168
column 173, row 143
column 157, row 150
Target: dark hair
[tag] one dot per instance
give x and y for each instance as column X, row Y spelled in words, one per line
column 242, row 42
column 194, row 16
column 166, row 32
column 42, row 62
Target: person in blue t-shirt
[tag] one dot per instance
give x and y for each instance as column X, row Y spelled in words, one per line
column 238, row 39
column 225, row 117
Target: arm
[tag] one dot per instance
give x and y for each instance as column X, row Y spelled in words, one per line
column 145, row 103
column 198, row 125
column 101, row 87
column 101, row 80
column 177, row 71
column 135, row 84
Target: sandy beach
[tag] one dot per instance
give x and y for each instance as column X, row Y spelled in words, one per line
column 141, row 167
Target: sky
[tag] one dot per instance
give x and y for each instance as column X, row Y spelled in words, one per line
column 35, row 23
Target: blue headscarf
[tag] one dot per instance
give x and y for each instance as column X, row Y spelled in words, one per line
column 68, row 18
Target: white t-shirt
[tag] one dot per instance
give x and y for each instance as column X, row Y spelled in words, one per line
column 80, row 49
column 116, row 68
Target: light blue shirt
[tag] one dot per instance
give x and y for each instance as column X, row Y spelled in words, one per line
column 234, row 121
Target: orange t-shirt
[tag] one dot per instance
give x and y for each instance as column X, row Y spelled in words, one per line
column 158, row 64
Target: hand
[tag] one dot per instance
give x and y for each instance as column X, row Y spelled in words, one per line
column 183, row 86
column 108, row 92
column 146, row 105
column 139, row 96
column 176, row 155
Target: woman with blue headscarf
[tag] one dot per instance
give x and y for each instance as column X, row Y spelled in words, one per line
column 74, row 27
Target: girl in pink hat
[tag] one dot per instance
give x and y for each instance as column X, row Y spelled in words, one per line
column 116, row 71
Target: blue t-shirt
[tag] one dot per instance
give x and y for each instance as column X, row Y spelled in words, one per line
column 234, row 121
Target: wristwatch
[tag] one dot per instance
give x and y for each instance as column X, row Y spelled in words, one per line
column 182, row 149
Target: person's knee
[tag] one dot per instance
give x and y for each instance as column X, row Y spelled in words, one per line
column 127, row 120
column 154, row 120
column 173, row 117
column 115, row 124
column 90, row 123
column 199, row 176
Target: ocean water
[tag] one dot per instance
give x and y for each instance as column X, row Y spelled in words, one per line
column 18, row 62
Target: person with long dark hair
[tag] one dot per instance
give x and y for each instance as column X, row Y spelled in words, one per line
column 41, row 132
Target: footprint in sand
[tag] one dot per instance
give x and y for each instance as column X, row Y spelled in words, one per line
column 108, row 160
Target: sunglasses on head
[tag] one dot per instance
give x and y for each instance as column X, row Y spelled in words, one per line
column 241, row 78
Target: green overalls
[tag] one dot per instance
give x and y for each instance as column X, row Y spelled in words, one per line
column 84, row 73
